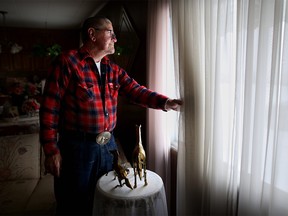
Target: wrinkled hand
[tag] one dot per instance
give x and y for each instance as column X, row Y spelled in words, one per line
column 173, row 104
column 53, row 164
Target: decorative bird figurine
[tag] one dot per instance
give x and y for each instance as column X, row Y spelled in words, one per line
column 139, row 158
column 120, row 171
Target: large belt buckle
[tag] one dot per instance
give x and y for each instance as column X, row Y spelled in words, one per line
column 103, row 138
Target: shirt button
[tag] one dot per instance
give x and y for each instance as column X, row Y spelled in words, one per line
column 106, row 114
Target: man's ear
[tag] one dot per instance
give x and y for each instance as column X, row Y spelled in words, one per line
column 91, row 33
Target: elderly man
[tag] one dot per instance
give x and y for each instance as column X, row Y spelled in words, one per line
column 78, row 115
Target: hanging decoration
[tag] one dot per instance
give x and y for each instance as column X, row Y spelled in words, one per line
column 5, row 44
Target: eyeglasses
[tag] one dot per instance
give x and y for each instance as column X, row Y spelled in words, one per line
column 112, row 34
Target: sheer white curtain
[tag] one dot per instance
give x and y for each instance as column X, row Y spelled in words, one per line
column 231, row 56
column 162, row 126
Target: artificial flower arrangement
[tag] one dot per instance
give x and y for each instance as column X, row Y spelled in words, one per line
column 23, row 87
column 30, row 106
column 24, row 95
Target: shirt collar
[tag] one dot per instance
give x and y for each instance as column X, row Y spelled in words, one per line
column 83, row 54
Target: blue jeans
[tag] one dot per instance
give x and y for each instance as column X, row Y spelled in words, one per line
column 83, row 163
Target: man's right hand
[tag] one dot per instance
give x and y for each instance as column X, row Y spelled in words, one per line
column 53, row 164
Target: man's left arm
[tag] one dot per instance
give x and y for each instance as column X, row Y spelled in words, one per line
column 146, row 97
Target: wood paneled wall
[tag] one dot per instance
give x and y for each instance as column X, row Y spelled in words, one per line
column 26, row 62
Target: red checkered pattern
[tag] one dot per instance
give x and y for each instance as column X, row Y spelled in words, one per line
column 72, row 97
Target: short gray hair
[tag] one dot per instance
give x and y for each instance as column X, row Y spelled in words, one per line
column 93, row 22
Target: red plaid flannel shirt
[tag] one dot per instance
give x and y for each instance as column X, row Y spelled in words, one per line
column 72, row 97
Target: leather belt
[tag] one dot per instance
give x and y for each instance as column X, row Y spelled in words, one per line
column 102, row 138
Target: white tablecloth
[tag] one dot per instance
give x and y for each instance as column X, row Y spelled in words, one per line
column 143, row 200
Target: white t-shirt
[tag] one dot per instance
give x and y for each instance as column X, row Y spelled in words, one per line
column 98, row 66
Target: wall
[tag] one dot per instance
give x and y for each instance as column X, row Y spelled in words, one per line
column 30, row 60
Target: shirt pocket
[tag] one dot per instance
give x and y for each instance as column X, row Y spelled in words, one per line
column 84, row 92
column 113, row 89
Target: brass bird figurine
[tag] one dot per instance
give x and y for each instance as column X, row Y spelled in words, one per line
column 139, row 158
column 120, row 171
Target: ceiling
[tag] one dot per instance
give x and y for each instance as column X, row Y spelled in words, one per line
column 50, row 14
